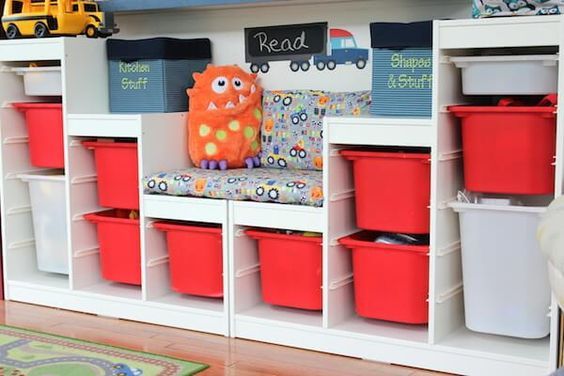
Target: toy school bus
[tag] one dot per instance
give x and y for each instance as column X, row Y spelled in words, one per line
column 41, row 18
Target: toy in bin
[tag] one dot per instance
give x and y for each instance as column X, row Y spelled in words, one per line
column 509, row 148
column 120, row 249
column 27, row 18
column 391, row 276
column 290, row 268
column 195, row 258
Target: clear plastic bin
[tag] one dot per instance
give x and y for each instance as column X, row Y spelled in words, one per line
column 506, row 288
column 47, row 193
column 508, row 75
column 42, row 81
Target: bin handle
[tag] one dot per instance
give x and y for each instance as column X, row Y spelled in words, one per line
column 346, row 280
column 80, row 216
column 445, row 203
column 255, row 268
column 450, row 293
column 335, row 153
column 158, row 261
column 75, row 143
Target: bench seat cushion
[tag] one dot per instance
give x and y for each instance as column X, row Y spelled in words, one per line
column 297, row 187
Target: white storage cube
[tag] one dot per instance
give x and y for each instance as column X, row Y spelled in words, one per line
column 508, row 75
column 47, row 194
column 506, row 289
column 41, row 81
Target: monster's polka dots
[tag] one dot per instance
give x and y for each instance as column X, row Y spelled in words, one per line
column 211, row 149
column 258, row 114
column 234, row 125
column 204, row 130
column 221, row 135
column 254, row 145
column 249, row 132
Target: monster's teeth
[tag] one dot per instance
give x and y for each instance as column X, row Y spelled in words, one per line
column 242, row 98
column 212, row 106
column 253, row 89
column 229, row 105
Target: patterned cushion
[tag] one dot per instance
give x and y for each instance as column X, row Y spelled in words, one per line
column 292, row 125
column 263, row 185
column 497, row 8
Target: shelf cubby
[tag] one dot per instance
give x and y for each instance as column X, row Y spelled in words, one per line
column 248, row 305
column 341, row 207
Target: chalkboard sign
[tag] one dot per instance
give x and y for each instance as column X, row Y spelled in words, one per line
column 285, row 42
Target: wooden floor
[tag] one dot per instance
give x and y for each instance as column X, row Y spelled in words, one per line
column 225, row 356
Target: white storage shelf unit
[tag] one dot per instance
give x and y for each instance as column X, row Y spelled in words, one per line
column 161, row 140
column 85, row 95
column 444, row 344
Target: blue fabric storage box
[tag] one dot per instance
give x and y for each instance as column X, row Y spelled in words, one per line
column 402, row 69
column 501, row 8
column 152, row 75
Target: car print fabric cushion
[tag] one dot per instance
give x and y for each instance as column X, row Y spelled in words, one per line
column 502, row 8
column 260, row 184
column 292, row 127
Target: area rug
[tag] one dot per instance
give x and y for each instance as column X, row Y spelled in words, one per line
column 29, row 353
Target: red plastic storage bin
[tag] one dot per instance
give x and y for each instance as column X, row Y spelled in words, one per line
column 118, row 177
column 290, row 268
column 120, row 250
column 391, row 282
column 393, row 190
column 45, row 128
column 195, row 258
column 508, row 150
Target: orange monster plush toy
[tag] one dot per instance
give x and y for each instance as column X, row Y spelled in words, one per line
column 225, row 118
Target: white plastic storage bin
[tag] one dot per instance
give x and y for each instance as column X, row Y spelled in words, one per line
column 508, row 75
column 41, row 81
column 506, row 288
column 47, row 193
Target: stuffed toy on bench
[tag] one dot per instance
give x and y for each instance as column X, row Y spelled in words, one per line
column 224, row 119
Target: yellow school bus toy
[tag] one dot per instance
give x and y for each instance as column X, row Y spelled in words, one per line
column 42, row 18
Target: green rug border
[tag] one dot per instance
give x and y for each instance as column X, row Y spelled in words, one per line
column 202, row 365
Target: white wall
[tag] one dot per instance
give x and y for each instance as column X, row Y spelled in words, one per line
column 225, row 29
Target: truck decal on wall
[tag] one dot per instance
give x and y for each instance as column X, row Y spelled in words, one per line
column 302, row 45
